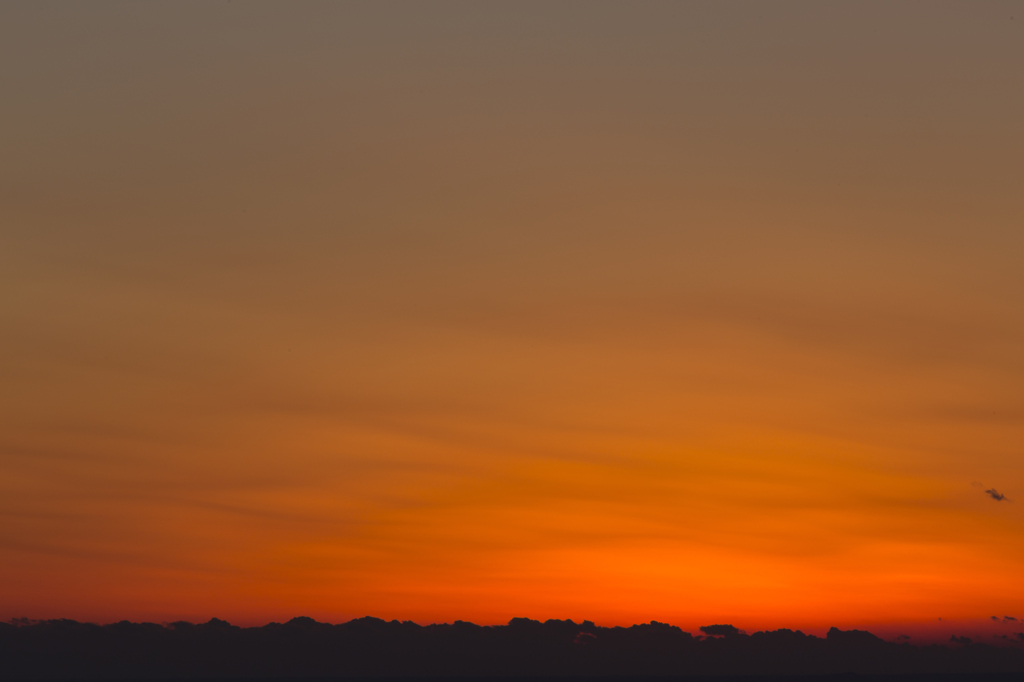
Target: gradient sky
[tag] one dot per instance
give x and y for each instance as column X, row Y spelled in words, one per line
column 702, row 312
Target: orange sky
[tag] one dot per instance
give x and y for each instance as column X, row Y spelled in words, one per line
column 701, row 313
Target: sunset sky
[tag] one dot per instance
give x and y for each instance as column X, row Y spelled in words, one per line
column 695, row 312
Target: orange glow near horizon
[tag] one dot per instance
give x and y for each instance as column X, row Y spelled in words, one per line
column 692, row 314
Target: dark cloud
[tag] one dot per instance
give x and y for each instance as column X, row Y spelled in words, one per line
column 1020, row 636
column 960, row 640
column 902, row 638
column 995, row 618
column 23, row 621
column 1009, row 619
column 996, row 495
column 720, row 630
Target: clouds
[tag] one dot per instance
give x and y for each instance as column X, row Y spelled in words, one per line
column 454, row 402
column 1004, row 619
column 720, row 630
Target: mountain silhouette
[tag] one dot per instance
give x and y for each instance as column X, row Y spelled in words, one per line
column 370, row 647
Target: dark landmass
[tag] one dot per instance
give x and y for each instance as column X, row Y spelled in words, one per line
column 370, row 647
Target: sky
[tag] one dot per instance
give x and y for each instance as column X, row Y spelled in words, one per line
column 694, row 312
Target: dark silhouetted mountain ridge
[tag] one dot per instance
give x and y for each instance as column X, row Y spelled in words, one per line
column 370, row 647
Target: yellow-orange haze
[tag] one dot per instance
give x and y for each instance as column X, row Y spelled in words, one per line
column 699, row 313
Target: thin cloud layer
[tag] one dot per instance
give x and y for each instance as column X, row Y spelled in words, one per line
column 473, row 309
column 715, row 630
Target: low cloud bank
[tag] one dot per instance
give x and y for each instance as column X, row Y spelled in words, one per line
column 370, row 647
column 714, row 630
